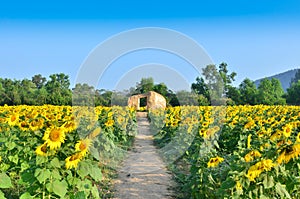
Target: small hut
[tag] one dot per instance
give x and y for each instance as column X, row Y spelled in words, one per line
column 154, row 100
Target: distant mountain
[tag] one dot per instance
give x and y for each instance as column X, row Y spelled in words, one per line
column 285, row 78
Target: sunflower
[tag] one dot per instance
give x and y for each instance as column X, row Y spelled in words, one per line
column 205, row 124
column 287, row 130
column 24, row 125
column 95, row 132
column 213, row 162
column 255, row 170
column 54, row 137
column 238, row 186
column 251, row 155
column 298, row 137
column 69, row 126
column 82, row 146
column 275, row 136
column 13, row 119
column 36, row 124
column 249, row 125
column 73, row 160
column 41, row 150
column 288, row 153
column 249, row 141
column 109, row 123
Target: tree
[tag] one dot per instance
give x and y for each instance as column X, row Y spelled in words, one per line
column 10, row 91
column 27, row 92
column 170, row 96
column 270, row 92
column 162, row 89
column 58, row 90
column 293, row 94
column 4, row 98
column 187, row 98
column 39, row 80
column 119, row 98
column 214, row 84
column 83, row 94
column 103, row 97
column 248, row 92
column 145, row 85
column 40, row 96
column 228, row 79
column 200, row 88
column 296, row 78
column 234, row 95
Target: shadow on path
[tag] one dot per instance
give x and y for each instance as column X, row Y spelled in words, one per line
column 143, row 174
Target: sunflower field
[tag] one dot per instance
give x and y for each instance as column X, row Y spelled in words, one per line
column 60, row 151
column 232, row 151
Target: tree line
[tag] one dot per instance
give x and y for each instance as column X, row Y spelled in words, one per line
column 214, row 87
column 39, row 91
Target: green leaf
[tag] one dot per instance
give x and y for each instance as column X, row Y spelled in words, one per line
column 60, row 188
column 281, row 190
column 94, row 152
column 80, row 195
column 2, row 196
column 14, row 159
column 56, row 175
column 95, row 192
column 28, row 177
column 96, row 173
column 24, row 166
column 55, row 163
column 26, row 195
column 268, row 182
column 85, row 186
column 49, row 187
column 84, row 169
column 229, row 183
column 4, row 167
column 42, row 174
column 263, row 197
column 10, row 145
column 41, row 160
column 5, row 181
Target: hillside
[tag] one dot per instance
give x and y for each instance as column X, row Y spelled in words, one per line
column 285, row 78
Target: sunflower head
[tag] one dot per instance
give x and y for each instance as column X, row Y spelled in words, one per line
column 41, row 150
column 73, row 160
column 54, row 137
column 109, row 123
column 82, row 146
column 13, row 119
column 287, row 130
column 213, row 162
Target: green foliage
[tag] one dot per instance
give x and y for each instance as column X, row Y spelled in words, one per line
column 293, row 94
column 248, row 92
column 83, row 95
column 270, row 92
column 5, row 181
column 244, row 129
column 187, row 98
column 25, row 174
column 296, row 78
column 215, row 87
column 201, row 88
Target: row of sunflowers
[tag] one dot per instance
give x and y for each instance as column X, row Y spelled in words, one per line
column 233, row 151
column 60, row 151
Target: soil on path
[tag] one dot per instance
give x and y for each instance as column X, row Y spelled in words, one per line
column 143, row 174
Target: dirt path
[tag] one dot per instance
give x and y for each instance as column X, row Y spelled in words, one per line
column 143, row 174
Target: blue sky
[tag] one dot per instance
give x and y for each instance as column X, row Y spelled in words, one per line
column 255, row 38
